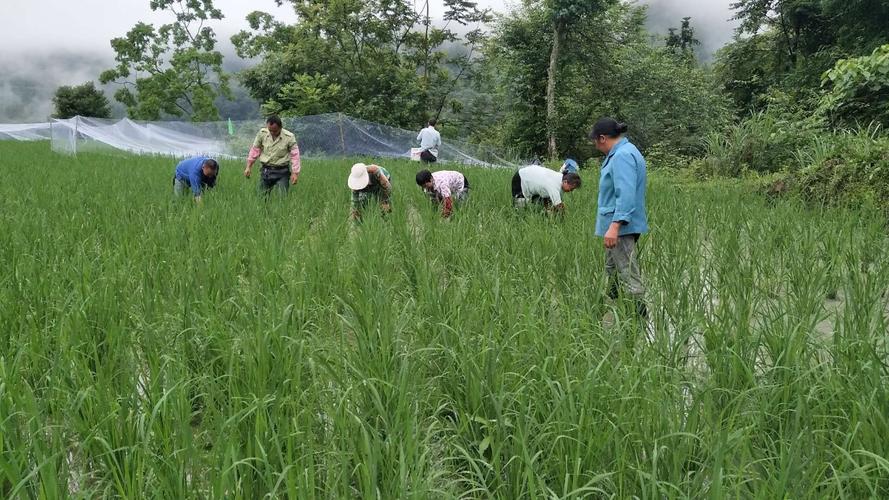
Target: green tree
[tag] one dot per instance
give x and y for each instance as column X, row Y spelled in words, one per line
column 746, row 69
column 784, row 46
column 80, row 100
column 563, row 16
column 173, row 70
column 379, row 60
column 683, row 44
column 612, row 69
column 514, row 61
column 790, row 43
column 806, row 27
column 306, row 95
column 454, row 65
column 859, row 89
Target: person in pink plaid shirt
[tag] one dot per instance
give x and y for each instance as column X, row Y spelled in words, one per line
column 444, row 187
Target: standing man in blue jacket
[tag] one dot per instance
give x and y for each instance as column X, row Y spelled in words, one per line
column 621, row 217
column 198, row 173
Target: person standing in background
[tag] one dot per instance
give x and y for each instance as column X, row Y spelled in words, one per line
column 430, row 141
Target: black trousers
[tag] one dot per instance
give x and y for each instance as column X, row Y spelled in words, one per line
column 517, row 186
column 427, row 157
column 517, row 192
column 272, row 177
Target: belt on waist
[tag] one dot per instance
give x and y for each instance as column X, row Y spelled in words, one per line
column 274, row 167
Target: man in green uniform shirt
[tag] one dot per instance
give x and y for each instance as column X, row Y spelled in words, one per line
column 274, row 147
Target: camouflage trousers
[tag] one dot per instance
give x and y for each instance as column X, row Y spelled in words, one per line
column 622, row 269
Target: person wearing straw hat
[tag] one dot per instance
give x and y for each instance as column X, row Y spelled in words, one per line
column 367, row 182
column 198, row 174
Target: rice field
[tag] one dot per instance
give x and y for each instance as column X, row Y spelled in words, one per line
column 251, row 348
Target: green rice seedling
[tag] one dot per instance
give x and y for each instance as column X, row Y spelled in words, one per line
column 250, row 347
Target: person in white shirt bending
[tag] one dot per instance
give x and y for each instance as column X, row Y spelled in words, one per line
column 536, row 184
column 430, row 141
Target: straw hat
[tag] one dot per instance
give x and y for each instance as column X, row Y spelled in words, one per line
column 359, row 178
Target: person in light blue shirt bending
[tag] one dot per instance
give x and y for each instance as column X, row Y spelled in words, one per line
column 198, row 173
column 569, row 167
column 621, row 216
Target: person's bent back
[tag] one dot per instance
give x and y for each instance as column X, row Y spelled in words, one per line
column 198, row 173
column 540, row 185
column 369, row 182
column 444, row 187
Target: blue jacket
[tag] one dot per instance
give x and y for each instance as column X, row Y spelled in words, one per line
column 190, row 171
column 622, row 190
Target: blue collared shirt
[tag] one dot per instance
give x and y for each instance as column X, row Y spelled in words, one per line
column 190, row 171
column 622, row 190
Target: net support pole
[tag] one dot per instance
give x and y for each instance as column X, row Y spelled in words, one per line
column 342, row 134
column 74, row 142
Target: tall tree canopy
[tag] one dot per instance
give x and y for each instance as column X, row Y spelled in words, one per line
column 80, row 100
column 379, row 59
column 610, row 68
column 563, row 16
column 173, row 70
column 787, row 45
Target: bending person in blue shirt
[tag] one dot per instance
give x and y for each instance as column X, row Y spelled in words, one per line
column 621, row 217
column 197, row 173
column 569, row 167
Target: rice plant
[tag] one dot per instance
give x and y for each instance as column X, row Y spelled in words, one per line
column 251, row 348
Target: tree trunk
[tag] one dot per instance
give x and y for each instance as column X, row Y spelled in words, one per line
column 551, row 114
column 426, row 54
column 790, row 45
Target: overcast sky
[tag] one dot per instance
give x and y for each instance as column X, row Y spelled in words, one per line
column 40, row 26
column 47, row 43
column 80, row 25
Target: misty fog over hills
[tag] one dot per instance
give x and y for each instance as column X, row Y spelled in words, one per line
column 29, row 79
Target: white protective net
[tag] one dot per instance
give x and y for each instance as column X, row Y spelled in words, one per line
column 329, row 135
column 24, row 131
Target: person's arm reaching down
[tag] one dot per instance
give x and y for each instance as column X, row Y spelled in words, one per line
column 384, row 183
column 447, row 207
column 355, row 214
column 444, row 192
column 194, row 178
column 253, row 155
column 295, row 164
